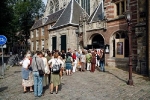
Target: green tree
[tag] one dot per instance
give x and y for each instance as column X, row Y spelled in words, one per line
column 25, row 12
column 18, row 16
column 6, row 17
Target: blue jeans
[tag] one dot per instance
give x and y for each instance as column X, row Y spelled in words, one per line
column 38, row 84
column 102, row 66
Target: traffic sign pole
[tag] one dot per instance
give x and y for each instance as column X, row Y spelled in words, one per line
column 3, row 40
column 2, row 62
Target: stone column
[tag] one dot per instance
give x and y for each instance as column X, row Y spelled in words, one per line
column 50, row 42
column 84, row 31
column 67, row 38
column 59, row 41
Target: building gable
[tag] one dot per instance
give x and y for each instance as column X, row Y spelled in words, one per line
column 98, row 14
column 70, row 15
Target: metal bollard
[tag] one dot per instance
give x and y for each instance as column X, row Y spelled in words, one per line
column 3, row 70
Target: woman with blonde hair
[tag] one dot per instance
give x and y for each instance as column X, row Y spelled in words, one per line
column 27, row 79
column 55, row 65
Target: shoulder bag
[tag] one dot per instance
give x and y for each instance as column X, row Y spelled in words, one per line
column 41, row 73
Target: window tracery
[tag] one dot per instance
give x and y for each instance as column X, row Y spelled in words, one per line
column 51, row 7
column 56, row 5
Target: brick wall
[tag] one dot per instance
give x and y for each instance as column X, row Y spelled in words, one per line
column 115, row 24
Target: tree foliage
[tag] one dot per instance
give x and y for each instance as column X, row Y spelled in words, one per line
column 6, row 17
column 25, row 13
column 18, row 16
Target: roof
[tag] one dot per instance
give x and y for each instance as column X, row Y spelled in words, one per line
column 51, row 18
column 37, row 24
column 98, row 14
column 54, row 16
column 70, row 15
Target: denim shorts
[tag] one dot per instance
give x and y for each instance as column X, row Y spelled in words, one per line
column 68, row 66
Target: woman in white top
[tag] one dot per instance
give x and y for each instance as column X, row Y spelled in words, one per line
column 47, row 71
column 55, row 77
column 27, row 78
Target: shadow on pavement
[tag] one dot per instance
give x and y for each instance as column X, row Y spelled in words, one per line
column 60, row 86
column 143, row 76
column 116, row 76
column 3, row 88
column 17, row 71
column 45, row 88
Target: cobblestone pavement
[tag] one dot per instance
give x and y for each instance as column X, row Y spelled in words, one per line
column 109, row 85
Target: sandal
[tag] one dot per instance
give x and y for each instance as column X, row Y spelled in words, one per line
column 24, row 91
column 31, row 91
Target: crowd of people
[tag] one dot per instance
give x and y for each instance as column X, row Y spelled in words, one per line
column 47, row 68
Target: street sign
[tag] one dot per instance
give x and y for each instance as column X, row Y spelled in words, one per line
column 4, row 46
column 3, row 39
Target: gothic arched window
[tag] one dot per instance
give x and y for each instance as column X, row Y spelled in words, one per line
column 56, row 5
column 51, row 7
column 86, row 5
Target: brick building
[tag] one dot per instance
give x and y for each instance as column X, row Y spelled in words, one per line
column 92, row 24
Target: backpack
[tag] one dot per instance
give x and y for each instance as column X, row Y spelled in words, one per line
column 68, row 59
column 56, row 68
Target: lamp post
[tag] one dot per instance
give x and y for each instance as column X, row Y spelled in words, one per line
column 128, row 16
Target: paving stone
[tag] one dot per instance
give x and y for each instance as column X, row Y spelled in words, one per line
column 109, row 85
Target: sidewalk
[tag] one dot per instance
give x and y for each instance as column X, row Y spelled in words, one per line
column 109, row 85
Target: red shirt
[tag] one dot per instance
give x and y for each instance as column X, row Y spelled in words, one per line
column 30, row 60
column 74, row 56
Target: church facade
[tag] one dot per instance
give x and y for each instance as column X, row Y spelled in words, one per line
column 89, row 24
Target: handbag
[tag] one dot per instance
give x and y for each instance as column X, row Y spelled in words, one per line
column 41, row 73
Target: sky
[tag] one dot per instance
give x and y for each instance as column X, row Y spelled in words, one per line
column 45, row 1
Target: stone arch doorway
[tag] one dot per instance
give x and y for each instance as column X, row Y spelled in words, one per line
column 97, row 41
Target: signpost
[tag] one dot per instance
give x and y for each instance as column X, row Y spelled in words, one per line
column 3, row 40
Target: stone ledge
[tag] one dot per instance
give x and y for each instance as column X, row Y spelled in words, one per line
column 117, row 62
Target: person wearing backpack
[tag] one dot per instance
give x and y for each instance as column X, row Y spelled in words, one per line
column 68, row 62
column 55, row 65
